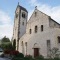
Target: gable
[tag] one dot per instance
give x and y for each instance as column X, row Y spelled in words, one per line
column 37, row 15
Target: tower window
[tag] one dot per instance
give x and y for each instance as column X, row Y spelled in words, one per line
column 23, row 15
column 41, row 27
column 36, row 29
column 30, row 31
column 58, row 39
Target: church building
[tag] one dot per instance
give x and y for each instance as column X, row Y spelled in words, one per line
column 37, row 35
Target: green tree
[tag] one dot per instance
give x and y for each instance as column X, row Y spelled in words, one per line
column 6, row 44
column 5, row 39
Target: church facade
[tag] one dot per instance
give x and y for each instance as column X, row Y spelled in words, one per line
column 37, row 35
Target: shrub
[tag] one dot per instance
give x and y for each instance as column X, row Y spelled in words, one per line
column 6, row 51
column 40, row 57
column 20, row 55
column 18, row 59
column 28, row 57
column 14, row 52
column 56, row 58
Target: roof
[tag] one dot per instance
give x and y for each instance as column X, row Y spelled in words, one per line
column 53, row 20
column 22, row 8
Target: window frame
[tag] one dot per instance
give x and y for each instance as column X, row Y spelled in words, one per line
column 30, row 31
column 23, row 15
column 36, row 29
column 41, row 27
column 58, row 39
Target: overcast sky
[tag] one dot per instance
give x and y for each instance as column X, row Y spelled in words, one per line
column 7, row 11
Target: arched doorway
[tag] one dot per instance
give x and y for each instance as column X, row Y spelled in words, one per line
column 36, row 50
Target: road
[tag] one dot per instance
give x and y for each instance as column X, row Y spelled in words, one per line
column 4, row 59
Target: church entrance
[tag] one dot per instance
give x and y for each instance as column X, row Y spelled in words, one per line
column 36, row 52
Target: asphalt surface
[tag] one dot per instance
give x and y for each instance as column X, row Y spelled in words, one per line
column 4, row 59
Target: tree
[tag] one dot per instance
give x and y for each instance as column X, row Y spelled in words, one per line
column 5, row 43
column 5, row 39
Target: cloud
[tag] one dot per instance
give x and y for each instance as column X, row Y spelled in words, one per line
column 54, row 12
column 4, row 17
column 5, row 25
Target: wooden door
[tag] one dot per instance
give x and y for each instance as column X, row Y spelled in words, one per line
column 36, row 52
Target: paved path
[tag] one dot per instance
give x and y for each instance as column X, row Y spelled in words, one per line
column 4, row 59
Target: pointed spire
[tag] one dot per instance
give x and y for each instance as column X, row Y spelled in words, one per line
column 18, row 3
column 35, row 7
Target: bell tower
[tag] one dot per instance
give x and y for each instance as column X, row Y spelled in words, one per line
column 20, row 22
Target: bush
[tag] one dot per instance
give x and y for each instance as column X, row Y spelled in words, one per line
column 14, row 52
column 28, row 57
column 20, row 55
column 39, row 57
column 56, row 58
column 6, row 51
column 18, row 59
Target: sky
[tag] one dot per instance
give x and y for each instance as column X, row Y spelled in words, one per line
column 7, row 12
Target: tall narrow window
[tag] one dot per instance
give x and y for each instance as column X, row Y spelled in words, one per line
column 58, row 39
column 36, row 29
column 30, row 31
column 48, row 48
column 41, row 27
column 23, row 15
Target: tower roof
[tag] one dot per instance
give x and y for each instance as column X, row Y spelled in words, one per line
column 22, row 8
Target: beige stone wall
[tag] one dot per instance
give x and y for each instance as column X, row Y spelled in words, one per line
column 40, row 38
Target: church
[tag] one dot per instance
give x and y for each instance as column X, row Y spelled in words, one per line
column 37, row 35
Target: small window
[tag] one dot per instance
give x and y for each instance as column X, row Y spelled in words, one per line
column 30, row 31
column 48, row 42
column 22, row 23
column 58, row 39
column 35, row 14
column 23, row 15
column 36, row 29
column 41, row 27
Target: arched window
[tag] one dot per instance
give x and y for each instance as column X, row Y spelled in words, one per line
column 30, row 31
column 36, row 29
